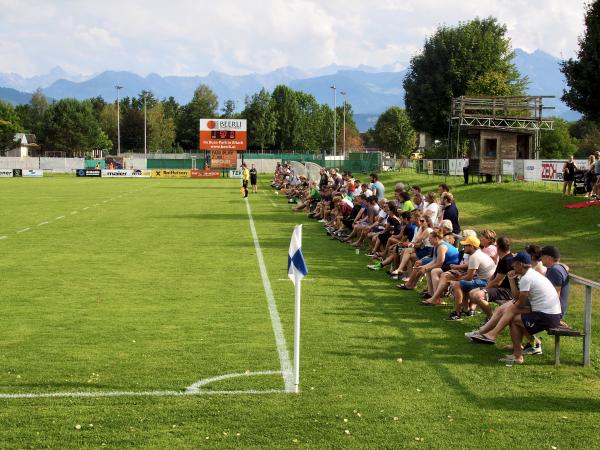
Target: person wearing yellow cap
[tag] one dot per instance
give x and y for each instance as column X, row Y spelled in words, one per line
column 479, row 270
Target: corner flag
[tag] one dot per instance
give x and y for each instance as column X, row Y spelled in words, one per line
column 296, row 265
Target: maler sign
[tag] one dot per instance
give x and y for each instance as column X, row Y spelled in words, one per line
column 222, row 134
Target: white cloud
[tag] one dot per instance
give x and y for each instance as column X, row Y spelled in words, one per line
column 188, row 37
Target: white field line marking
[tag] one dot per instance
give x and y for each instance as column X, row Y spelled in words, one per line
column 284, row 357
column 42, row 223
column 73, row 212
column 105, row 201
column 194, row 389
column 96, row 204
column 3, row 237
column 23, row 230
column 86, row 208
column 60, row 218
column 303, row 279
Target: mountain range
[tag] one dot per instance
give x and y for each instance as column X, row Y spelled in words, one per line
column 369, row 90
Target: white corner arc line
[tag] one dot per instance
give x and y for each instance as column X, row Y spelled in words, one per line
column 23, row 230
column 284, row 357
column 42, row 223
column 193, row 389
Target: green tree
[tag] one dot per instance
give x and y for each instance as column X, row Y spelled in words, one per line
column 203, row 105
column 228, row 110
column 261, row 120
column 557, row 143
column 10, row 124
column 172, row 108
column 33, row 115
column 287, row 113
column 132, row 130
column 394, row 133
column 108, row 122
column 474, row 56
column 71, row 126
column 583, row 74
column 161, row 129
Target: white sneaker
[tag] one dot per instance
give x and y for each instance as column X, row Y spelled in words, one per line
column 322, row 221
column 470, row 334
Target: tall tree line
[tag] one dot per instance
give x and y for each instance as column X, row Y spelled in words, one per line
column 284, row 120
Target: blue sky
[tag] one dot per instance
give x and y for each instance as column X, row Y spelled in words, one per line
column 187, row 37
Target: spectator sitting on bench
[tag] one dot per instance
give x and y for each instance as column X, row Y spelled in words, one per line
column 440, row 280
column 479, row 270
column 498, row 289
column 542, row 313
column 558, row 274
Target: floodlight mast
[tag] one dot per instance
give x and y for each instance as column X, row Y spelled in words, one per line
column 334, row 114
column 344, row 122
column 118, row 88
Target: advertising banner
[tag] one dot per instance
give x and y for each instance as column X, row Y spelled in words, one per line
column 223, row 159
column 235, row 174
column 222, row 134
column 88, row 173
column 17, row 172
column 508, row 168
column 5, row 173
column 166, row 173
column 206, row 174
column 138, row 173
column 33, row 173
column 552, row 170
column 116, row 173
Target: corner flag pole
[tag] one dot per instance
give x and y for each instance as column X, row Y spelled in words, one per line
column 296, row 271
column 297, row 336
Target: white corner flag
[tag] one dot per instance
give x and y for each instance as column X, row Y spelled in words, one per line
column 296, row 271
column 296, row 265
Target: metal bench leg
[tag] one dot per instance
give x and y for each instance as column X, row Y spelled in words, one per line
column 557, row 350
column 587, row 326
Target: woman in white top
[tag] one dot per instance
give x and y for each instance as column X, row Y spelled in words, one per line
column 432, row 208
column 418, row 248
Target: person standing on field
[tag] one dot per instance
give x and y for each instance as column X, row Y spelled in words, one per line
column 245, row 179
column 253, row 178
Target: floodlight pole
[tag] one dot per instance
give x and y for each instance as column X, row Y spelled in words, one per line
column 334, row 114
column 118, row 88
column 145, row 147
column 344, row 129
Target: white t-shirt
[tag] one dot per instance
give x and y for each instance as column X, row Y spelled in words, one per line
column 542, row 295
column 483, row 264
column 434, row 210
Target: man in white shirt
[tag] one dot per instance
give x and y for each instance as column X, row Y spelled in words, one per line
column 537, row 307
column 480, row 269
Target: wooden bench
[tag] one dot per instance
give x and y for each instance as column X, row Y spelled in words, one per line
column 586, row 334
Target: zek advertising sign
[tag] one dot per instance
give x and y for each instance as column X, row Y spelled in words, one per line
column 222, row 134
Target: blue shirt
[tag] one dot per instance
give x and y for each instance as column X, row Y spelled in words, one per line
column 451, row 256
column 379, row 188
column 559, row 278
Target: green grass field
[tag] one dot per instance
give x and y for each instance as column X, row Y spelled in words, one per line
column 148, row 286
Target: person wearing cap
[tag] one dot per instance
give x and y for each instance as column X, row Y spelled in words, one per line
column 558, row 274
column 498, row 289
column 537, row 308
column 245, row 179
column 480, row 269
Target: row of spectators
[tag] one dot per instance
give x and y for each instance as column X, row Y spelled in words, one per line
column 416, row 238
